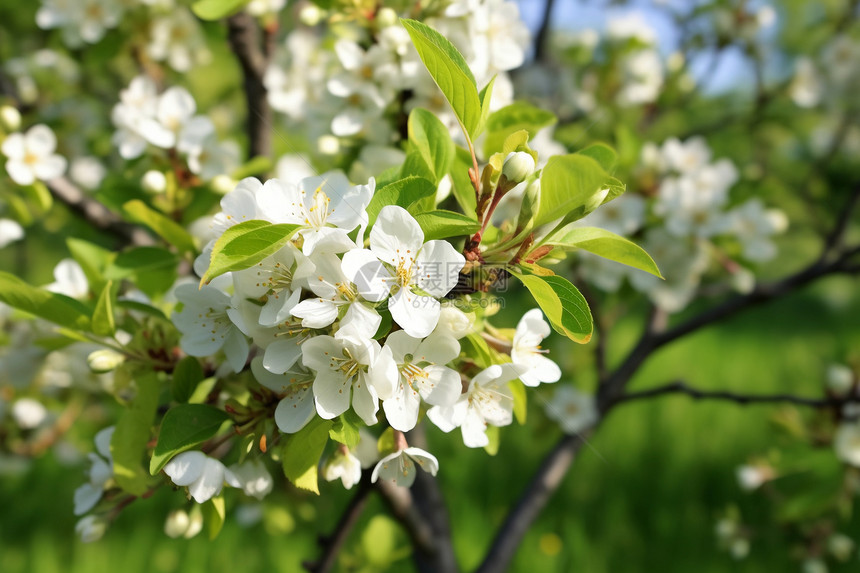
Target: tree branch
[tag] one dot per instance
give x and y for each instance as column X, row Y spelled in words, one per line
column 243, row 33
column 680, row 387
column 402, row 505
column 96, row 214
column 531, row 503
column 541, row 40
column 332, row 544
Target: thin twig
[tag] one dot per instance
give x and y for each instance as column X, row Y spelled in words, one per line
column 680, row 387
column 332, row 544
column 96, row 213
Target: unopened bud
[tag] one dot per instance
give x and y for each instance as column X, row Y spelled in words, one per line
column 10, row 118
column 311, row 14
column 154, row 181
column 105, row 360
column 328, row 145
column 840, row 379
column 91, row 528
column 518, row 166
column 386, row 17
column 177, row 523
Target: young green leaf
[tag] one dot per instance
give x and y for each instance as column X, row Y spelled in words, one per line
column 571, row 187
column 93, row 259
column 184, row 427
column 246, row 244
column 518, row 389
column 302, row 452
column 403, row 192
column 462, row 188
column 345, row 429
column 186, row 376
column 486, row 98
column 601, row 153
column 139, row 212
column 442, row 224
column 128, row 444
column 513, row 118
column 430, row 138
column 607, row 245
column 53, row 307
column 214, row 513
column 492, row 448
column 450, row 72
column 103, row 322
column 562, row 303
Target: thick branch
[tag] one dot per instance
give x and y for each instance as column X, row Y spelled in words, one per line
column 743, row 399
column 95, row 213
column 332, row 544
column 243, row 33
column 541, row 40
column 531, row 503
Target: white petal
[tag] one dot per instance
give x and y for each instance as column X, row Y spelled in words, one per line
column 401, row 344
column 437, row 349
column 295, row 410
column 186, row 467
column 396, row 236
column 401, row 409
column 363, row 268
column 325, row 240
column 20, row 172
column 86, row 498
column 210, row 482
column 364, row 399
column 417, row 315
column 315, row 312
column 360, row 321
column 443, row 386
column 425, row 460
column 438, row 267
column 40, row 140
column 236, row 349
column 282, row 354
column 331, row 394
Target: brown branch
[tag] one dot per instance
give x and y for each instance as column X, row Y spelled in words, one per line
column 401, row 503
column 535, row 496
column 541, row 40
column 253, row 53
column 332, row 544
column 96, row 213
column 742, row 399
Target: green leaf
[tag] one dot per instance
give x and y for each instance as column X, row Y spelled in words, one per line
column 518, row 389
column 562, row 303
column 139, row 212
column 462, row 189
column 184, row 427
column 254, row 166
column 607, row 245
column 476, row 348
column 103, row 322
column 571, row 187
column 302, row 452
column 403, row 192
column 431, row 140
column 141, row 260
column 141, row 307
column 214, row 513
column 442, row 224
column 512, row 118
column 450, row 72
column 94, row 261
column 246, row 244
column 217, row 9
column 186, row 376
column 53, row 307
column 345, row 429
column 492, row 447
column 485, row 96
column 601, row 153
column 128, row 444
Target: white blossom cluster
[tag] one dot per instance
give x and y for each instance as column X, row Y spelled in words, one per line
column 829, row 78
column 309, row 318
column 169, row 121
column 174, row 34
column 685, row 222
column 372, row 76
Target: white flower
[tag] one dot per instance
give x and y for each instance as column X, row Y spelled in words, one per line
column 574, row 411
column 181, row 523
column 399, row 261
column 454, row 322
column 840, row 379
column 273, row 280
column 527, row 353
column 847, row 443
column 488, row 401
column 327, row 208
column 349, row 371
column 29, row 413
column 88, row 172
column 101, row 472
column 69, row 279
column 203, row 475
column 423, row 376
column 753, row 225
column 31, row 156
column 154, row 181
column 399, row 467
column 752, row 477
column 263, row 7
column 343, row 465
column 177, row 39
column 253, row 478
column 622, row 216
column 208, row 323
column 91, row 528
column 296, row 407
column 10, row 231
column 806, row 88
column 80, row 20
